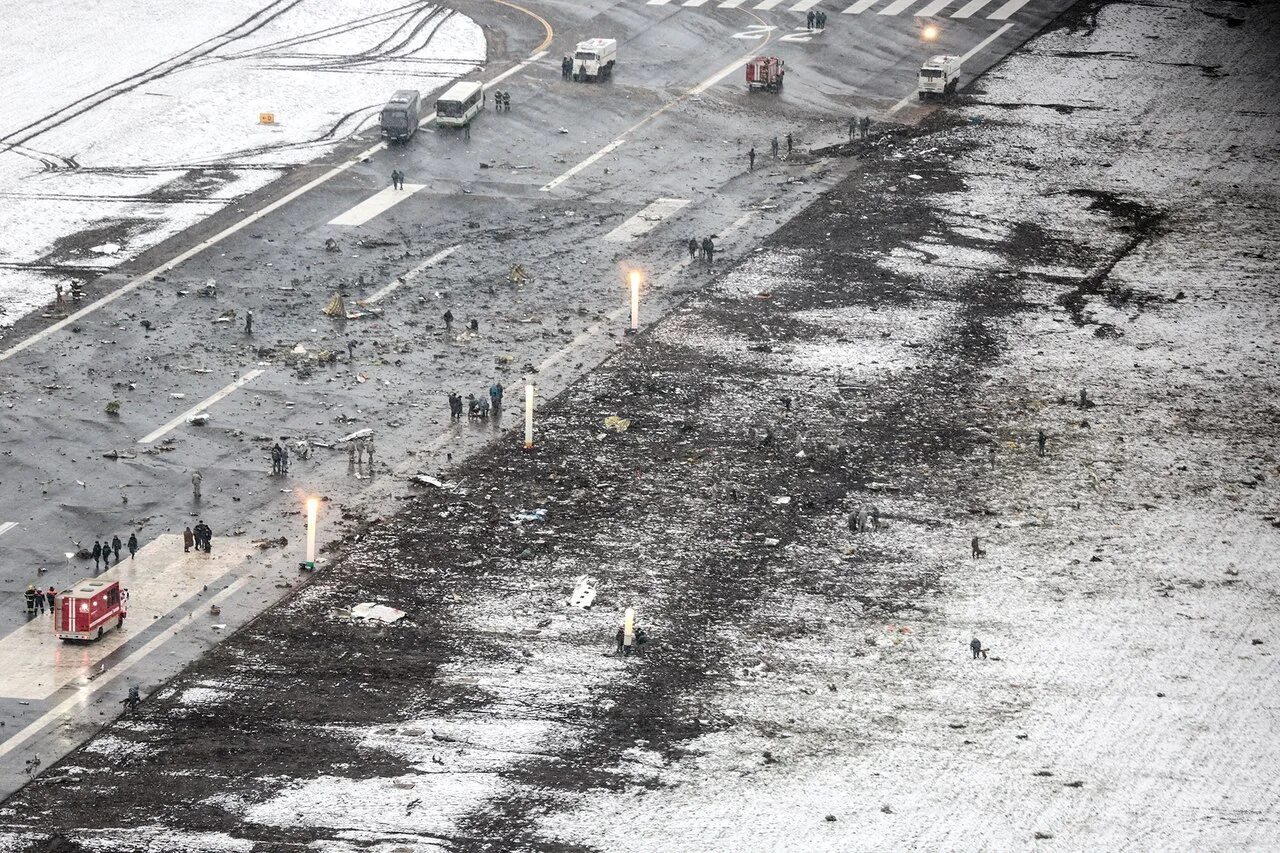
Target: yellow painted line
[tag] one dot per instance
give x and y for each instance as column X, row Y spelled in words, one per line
column 541, row 20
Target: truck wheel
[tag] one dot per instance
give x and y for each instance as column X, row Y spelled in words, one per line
column 100, row 630
column 921, row 96
column 120, row 623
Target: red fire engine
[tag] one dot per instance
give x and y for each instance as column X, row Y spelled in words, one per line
column 765, row 72
column 88, row 610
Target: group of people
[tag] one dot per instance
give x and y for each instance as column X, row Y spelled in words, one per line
column 280, row 459
column 859, row 127
column 476, row 407
column 816, row 20
column 358, row 449
column 706, row 250
column 397, row 179
column 863, row 519
column 200, row 537
column 566, row 66
column 501, row 101
column 36, row 599
column 103, row 549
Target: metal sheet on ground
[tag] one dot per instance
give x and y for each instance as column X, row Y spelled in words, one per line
column 37, row 664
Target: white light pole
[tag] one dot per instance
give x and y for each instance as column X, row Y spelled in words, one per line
column 528, row 416
column 635, row 299
column 313, row 504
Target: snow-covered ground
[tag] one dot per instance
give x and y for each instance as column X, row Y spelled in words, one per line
column 110, row 143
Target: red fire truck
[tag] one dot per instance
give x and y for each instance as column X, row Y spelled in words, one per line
column 765, row 72
column 88, row 610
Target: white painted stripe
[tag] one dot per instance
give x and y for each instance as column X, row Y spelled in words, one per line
column 904, row 103
column 80, row 698
column 986, row 41
column 379, row 202
column 659, row 2
column 646, row 220
column 693, row 2
column 410, row 275
column 896, row 6
column 969, row 8
column 584, row 164
column 135, row 283
column 805, row 5
column 859, row 7
column 741, row 221
column 933, row 8
column 7, row 526
column 724, row 72
column 1006, row 10
column 765, row 5
column 200, row 407
column 730, row 4
column 515, row 69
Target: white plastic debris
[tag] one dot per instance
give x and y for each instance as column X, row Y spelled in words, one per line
column 381, row 612
column 584, row 592
column 782, row 500
column 106, row 249
column 360, row 433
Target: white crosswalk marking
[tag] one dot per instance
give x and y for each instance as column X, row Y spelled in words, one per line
column 896, row 6
column 730, row 4
column 6, row 526
column 765, row 5
column 933, row 8
column 1006, row 10
column 693, row 2
column 659, row 2
column 969, row 8
column 859, row 7
column 805, row 5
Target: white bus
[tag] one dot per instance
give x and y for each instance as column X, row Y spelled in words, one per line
column 458, row 106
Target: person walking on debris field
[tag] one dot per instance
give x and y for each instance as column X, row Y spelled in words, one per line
column 284, row 456
column 808, row 20
column 248, row 322
column 751, row 159
column 495, row 396
column 977, row 548
column 773, row 146
column 39, row 601
column 51, row 595
column 196, row 479
column 693, row 248
column 865, row 126
column 188, row 540
column 448, row 320
column 709, row 250
column 368, row 449
column 975, row 646
column 1041, row 441
column 788, row 145
column 853, row 127
column 30, row 597
column 97, row 554
column 275, row 460
column 133, row 545
column 822, row 20
column 116, row 545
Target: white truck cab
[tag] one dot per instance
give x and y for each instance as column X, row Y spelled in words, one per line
column 594, row 58
column 939, row 76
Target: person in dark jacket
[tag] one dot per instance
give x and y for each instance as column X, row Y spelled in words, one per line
column 51, row 595
column 188, row 539
column 709, row 250
column 116, row 545
column 495, row 396
column 133, row 545
column 975, row 646
column 97, row 554
column 693, row 248
column 30, row 596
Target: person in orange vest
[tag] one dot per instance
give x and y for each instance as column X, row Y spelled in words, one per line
column 30, row 596
column 51, row 596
